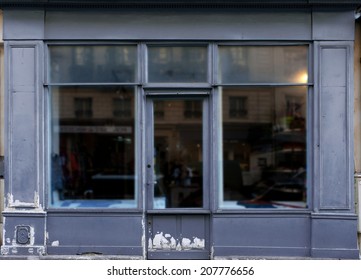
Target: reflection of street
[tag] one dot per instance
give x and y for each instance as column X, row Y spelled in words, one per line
column 265, row 148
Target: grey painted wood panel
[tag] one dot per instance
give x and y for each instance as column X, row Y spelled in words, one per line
column 94, row 230
column 172, row 25
column 178, row 24
column 23, row 70
column 334, row 236
column 338, row 25
column 334, row 67
column 26, row 24
column 22, row 152
column 34, row 219
column 335, row 107
column 334, row 159
column 261, row 235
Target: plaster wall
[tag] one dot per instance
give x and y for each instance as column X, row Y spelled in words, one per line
column 1, row 121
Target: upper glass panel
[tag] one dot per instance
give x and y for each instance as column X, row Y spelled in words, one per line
column 180, row 64
column 93, row 64
column 263, row 64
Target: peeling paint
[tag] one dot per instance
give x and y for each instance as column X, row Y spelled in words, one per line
column 197, row 243
column 18, row 203
column 4, row 250
column 41, row 251
column 10, row 203
column 173, row 243
column 55, row 243
column 144, row 236
column 10, row 200
column 212, row 252
column 8, row 240
column 166, row 241
column 186, row 243
column 32, row 235
column 160, row 241
column 36, row 199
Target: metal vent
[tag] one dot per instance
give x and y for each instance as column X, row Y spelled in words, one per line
column 23, row 235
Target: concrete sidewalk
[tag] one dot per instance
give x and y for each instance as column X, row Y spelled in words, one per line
column 123, row 257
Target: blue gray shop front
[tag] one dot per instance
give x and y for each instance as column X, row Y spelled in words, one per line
column 189, row 131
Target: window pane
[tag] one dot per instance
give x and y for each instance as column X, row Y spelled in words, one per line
column 266, row 64
column 264, row 152
column 92, row 149
column 93, row 64
column 178, row 156
column 177, row 64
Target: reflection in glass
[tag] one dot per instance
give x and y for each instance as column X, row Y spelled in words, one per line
column 177, row 64
column 93, row 64
column 263, row 64
column 264, row 151
column 92, row 147
column 177, row 156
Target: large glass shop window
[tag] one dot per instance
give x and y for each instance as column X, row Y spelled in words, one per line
column 92, row 128
column 264, row 128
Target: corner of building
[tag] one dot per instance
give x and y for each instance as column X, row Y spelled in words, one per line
column 1, row 124
column 357, row 124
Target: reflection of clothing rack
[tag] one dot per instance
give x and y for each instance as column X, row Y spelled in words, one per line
column 57, row 178
column 57, row 172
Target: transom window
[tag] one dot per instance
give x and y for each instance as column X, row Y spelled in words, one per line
column 177, row 64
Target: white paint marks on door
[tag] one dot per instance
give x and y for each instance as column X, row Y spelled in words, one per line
column 167, row 241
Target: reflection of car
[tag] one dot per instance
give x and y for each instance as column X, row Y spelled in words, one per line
column 283, row 186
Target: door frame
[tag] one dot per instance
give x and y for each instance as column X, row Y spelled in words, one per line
column 179, row 214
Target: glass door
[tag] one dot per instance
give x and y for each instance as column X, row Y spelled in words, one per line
column 178, row 176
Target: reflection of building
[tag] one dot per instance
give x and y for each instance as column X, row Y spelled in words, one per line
column 268, row 132
column 219, row 132
column 280, row 111
column 85, row 121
